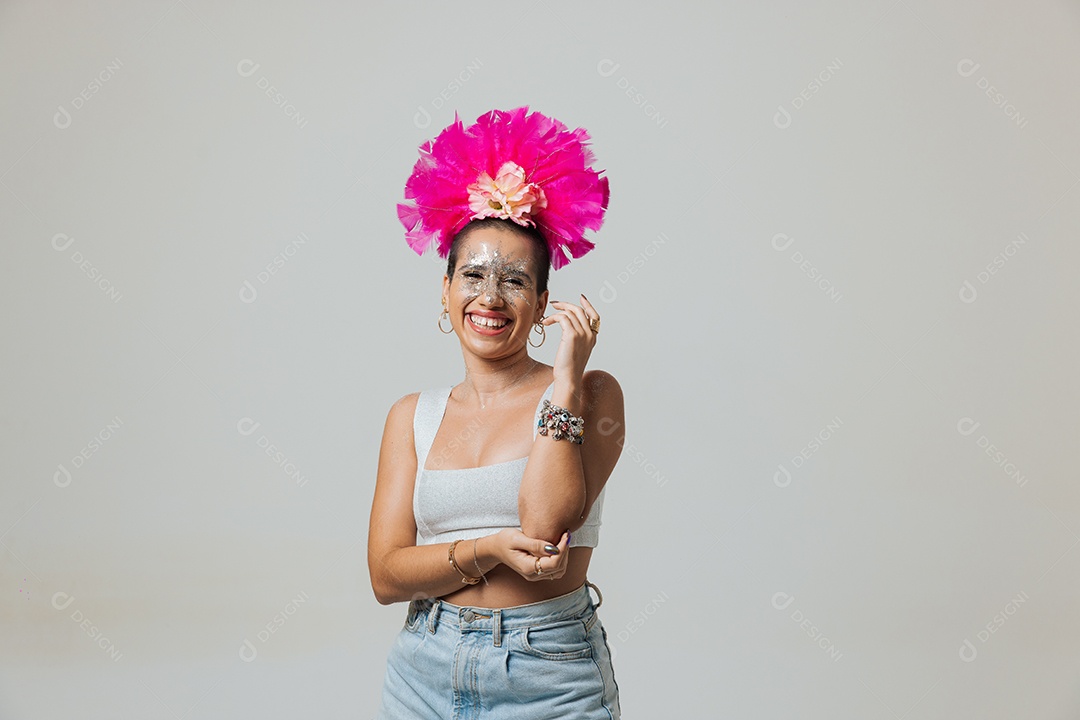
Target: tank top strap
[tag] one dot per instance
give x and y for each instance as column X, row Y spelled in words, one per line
column 430, row 406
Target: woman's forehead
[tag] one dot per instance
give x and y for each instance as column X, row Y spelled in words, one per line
column 498, row 249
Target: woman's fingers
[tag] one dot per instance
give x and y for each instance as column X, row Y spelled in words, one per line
column 550, row 563
column 538, row 547
column 526, row 551
column 579, row 314
column 582, row 317
column 575, row 320
column 522, row 552
column 569, row 324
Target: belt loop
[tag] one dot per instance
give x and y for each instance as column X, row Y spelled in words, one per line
column 599, row 595
column 433, row 613
column 496, row 626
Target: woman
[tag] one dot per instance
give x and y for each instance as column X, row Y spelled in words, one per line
column 489, row 494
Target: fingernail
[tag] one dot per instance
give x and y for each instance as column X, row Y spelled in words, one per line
column 551, row 549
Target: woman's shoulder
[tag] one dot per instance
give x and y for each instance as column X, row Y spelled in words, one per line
column 601, row 390
column 403, row 409
column 599, row 377
column 405, row 406
column 600, row 382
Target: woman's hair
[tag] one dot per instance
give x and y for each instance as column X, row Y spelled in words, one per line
column 541, row 253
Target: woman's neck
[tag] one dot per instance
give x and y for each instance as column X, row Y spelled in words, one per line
column 486, row 381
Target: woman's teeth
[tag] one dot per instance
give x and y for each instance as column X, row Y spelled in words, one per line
column 488, row 321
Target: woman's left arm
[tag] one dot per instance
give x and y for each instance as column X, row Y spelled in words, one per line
column 562, row 480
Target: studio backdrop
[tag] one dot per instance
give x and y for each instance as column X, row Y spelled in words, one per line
column 838, row 285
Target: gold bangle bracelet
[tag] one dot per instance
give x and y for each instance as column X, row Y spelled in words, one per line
column 464, row 578
column 476, row 561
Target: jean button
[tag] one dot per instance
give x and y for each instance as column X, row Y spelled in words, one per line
column 468, row 616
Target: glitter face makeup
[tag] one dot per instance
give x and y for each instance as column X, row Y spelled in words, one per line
column 493, row 286
column 491, row 274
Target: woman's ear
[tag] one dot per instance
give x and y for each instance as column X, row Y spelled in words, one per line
column 445, row 289
column 541, row 306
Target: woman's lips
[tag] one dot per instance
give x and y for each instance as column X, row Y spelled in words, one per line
column 484, row 329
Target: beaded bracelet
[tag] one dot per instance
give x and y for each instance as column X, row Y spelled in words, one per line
column 563, row 424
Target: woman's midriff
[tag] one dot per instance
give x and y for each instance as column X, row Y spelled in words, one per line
column 506, row 587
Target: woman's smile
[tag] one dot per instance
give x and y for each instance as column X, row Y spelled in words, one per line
column 487, row 323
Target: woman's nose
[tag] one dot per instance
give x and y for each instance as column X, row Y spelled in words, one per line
column 489, row 292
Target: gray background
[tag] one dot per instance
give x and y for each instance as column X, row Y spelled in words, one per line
column 837, row 281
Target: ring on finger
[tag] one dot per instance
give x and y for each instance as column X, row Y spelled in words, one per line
column 538, row 570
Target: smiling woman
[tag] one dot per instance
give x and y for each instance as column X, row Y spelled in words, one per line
column 488, row 497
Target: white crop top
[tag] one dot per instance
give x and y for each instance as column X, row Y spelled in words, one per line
column 473, row 502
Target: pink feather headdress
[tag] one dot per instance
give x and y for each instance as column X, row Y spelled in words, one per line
column 521, row 166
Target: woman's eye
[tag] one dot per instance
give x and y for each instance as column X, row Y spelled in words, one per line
column 472, row 275
column 515, row 281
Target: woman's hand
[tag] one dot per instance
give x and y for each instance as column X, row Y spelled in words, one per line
column 519, row 552
column 576, row 344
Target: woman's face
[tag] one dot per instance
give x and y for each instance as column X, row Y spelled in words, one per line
column 492, row 296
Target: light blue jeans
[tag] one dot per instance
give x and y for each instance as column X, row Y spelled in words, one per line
column 547, row 659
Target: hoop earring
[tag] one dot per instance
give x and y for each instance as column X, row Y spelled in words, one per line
column 543, row 334
column 445, row 314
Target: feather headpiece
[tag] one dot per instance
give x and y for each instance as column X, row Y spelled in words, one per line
column 520, row 166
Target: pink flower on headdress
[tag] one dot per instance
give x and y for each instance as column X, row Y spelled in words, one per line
column 520, row 166
column 507, row 196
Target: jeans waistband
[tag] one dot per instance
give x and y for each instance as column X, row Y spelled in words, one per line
column 474, row 618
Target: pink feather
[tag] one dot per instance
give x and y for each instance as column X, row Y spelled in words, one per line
column 554, row 158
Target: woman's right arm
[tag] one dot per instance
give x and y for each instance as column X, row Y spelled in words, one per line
column 401, row 570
